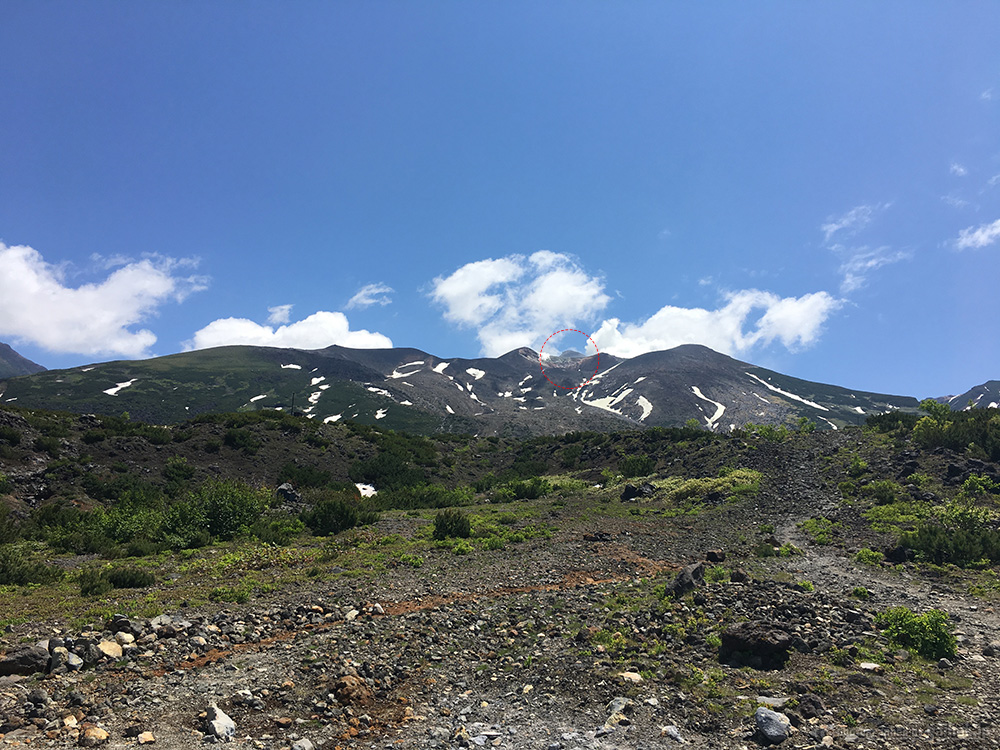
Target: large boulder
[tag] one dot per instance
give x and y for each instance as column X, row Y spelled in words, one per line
column 352, row 691
column 219, row 724
column 690, row 577
column 631, row 492
column 772, row 727
column 25, row 660
column 755, row 644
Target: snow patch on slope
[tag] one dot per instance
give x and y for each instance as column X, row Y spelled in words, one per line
column 477, row 374
column 439, row 367
column 719, row 408
column 119, row 386
column 647, row 408
column 291, row 367
column 767, row 385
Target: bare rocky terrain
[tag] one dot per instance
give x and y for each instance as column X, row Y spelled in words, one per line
column 626, row 626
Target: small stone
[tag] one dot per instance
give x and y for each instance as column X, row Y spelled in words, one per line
column 673, row 733
column 773, row 727
column 303, row 744
column 198, row 642
column 351, row 615
column 110, row 649
column 633, row 677
column 124, row 638
column 766, row 700
column 92, row 736
column 146, row 738
column 944, row 663
column 869, row 666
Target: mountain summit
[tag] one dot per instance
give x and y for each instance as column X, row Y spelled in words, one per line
column 13, row 364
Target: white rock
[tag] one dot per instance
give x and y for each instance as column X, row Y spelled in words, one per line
column 219, row 724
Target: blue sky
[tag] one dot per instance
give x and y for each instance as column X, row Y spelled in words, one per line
column 811, row 187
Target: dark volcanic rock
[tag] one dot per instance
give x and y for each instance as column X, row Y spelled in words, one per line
column 25, row 660
column 690, row 577
column 755, row 644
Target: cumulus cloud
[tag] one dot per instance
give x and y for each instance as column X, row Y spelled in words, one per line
column 958, row 170
column 518, row 301
column 748, row 318
column 371, row 294
column 279, row 314
column 318, row 331
column 976, row 237
column 861, row 261
column 40, row 307
column 986, row 95
column 851, row 222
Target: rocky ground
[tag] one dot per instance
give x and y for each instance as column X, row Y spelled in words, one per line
column 575, row 641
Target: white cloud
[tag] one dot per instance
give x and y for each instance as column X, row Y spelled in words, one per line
column 954, row 201
column 958, row 170
column 319, row 330
column 371, row 294
column 981, row 236
column 279, row 314
column 863, row 260
column 518, row 301
column 39, row 307
column 994, row 180
column 986, row 95
column 853, row 221
column 794, row 321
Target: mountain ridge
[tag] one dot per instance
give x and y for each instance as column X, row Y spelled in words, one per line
column 409, row 389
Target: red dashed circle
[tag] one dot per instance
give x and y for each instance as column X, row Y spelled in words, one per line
column 567, row 388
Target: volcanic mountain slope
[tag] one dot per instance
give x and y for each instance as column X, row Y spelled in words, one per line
column 411, row 390
column 13, row 364
column 986, row 396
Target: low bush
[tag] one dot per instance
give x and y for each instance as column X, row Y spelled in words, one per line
column 130, row 578
column 277, row 531
column 17, row 569
column 928, row 634
column 452, row 523
column 959, row 546
column 5, row 484
column 10, row 435
column 332, row 515
column 867, row 556
column 882, row 491
column 241, row 440
column 636, row 466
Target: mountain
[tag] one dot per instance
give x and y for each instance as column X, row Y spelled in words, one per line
column 13, row 364
column 408, row 389
column 986, row 395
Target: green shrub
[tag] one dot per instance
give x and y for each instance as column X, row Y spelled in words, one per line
column 928, row 634
column 93, row 583
column 882, row 491
column 860, row 592
column 857, row 467
column 5, row 484
column 959, row 546
column 636, row 466
column 10, row 435
column 303, row 476
column 332, row 515
column 94, row 436
column 230, row 506
column 422, row 496
column 16, row 569
column 462, row 547
column 819, row 529
column 178, row 470
column 212, row 446
column 452, row 523
column 869, row 556
column 48, row 445
column 716, row 574
column 277, row 531
column 412, row 561
column 130, row 578
column 241, row 440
